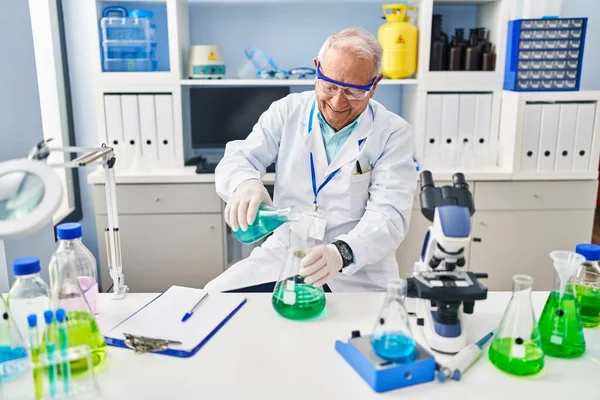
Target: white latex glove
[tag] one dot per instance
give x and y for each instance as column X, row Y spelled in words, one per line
column 321, row 264
column 243, row 204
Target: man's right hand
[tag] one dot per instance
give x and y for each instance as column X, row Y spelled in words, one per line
column 243, row 205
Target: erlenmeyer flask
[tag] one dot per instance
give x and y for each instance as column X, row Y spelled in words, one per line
column 12, row 345
column 292, row 297
column 267, row 220
column 561, row 328
column 516, row 347
column 66, row 293
column 392, row 338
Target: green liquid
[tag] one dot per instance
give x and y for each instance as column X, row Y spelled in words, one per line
column 262, row 226
column 588, row 300
column 560, row 326
column 501, row 355
column 82, row 329
column 308, row 303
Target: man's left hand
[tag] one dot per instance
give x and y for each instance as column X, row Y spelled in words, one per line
column 321, row 264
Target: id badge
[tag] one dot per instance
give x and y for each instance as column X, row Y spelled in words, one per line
column 317, row 224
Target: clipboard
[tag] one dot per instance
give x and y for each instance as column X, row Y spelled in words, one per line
column 157, row 326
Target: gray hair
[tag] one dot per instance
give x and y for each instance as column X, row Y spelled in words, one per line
column 359, row 42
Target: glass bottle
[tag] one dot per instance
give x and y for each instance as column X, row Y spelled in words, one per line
column 560, row 325
column 66, row 293
column 471, row 54
column 392, row 338
column 588, row 285
column 292, row 297
column 455, row 59
column 482, row 46
column 517, row 348
column 439, row 46
column 29, row 294
column 267, row 220
column 12, row 344
column 489, row 58
column 69, row 237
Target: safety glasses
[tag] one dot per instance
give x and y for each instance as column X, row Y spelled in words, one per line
column 351, row 92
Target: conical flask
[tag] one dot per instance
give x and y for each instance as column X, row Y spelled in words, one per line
column 267, row 220
column 292, row 297
column 561, row 328
column 392, row 338
column 517, row 348
column 66, row 293
column 12, row 345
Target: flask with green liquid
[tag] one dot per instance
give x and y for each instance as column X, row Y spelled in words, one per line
column 66, row 293
column 588, row 285
column 560, row 325
column 267, row 220
column 517, row 348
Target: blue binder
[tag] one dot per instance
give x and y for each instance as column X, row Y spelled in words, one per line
column 137, row 341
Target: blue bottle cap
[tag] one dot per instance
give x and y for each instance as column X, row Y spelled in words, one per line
column 591, row 252
column 68, row 231
column 32, row 320
column 60, row 315
column 141, row 14
column 26, row 266
column 48, row 316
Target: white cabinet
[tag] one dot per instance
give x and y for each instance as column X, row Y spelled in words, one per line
column 513, row 242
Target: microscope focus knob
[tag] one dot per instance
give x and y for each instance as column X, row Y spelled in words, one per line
column 460, row 262
column 434, row 262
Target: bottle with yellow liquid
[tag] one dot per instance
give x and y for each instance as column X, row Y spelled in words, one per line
column 398, row 38
column 66, row 293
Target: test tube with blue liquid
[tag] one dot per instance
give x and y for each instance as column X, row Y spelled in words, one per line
column 50, row 342
column 392, row 338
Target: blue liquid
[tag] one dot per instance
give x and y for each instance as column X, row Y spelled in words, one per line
column 262, row 226
column 9, row 354
column 394, row 347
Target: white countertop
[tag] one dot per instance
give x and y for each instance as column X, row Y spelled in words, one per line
column 260, row 355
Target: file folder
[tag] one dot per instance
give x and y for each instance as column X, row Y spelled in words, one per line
column 531, row 136
column 584, row 132
column 433, row 127
column 566, row 137
column 548, row 137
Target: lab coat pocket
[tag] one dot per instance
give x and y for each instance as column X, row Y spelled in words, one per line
column 359, row 192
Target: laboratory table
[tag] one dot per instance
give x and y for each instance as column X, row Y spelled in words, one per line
column 260, row 355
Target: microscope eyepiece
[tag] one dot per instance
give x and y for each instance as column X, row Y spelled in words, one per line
column 427, row 179
column 459, row 181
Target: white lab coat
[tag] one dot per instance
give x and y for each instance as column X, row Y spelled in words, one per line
column 370, row 212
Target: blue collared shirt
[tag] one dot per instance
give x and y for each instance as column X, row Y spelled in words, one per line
column 334, row 140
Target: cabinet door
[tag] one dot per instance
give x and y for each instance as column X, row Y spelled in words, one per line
column 163, row 250
column 518, row 242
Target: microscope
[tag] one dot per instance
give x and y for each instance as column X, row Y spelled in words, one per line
column 441, row 288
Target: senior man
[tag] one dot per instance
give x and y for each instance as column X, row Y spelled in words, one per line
column 337, row 151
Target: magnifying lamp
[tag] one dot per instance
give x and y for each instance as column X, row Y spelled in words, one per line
column 31, row 192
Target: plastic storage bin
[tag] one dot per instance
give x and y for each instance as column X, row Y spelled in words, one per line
column 544, row 54
column 128, row 40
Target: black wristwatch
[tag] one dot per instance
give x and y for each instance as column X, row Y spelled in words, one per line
column 345, row 252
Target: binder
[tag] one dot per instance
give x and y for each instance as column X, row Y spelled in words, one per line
column 483, row 120
column 164, row 130
column 466, row 118
column 531, row 136
column 148, row 129
column 584, row 131
column 114, row 125
column 566, row 137
column 449, row 120
column 157, row 326
column 132, row 150
column 548, row 137
column 433, row 127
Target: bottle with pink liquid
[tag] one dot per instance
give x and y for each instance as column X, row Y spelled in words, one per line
column 69, row 238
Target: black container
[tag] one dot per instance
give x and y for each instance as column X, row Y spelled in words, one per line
column 438, row 60
column 489, row 59
column 471, row 54
column 456, row 56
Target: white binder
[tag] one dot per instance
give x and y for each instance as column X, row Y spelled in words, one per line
column 114, row 125
column 483, row 120
column 566, row 137
column 466, row 118
column 584, row 131
column 164, row 130
column 449, row 132
column 548, row 137
column 531, row 136
column 132, row 150
column 433, row 128
column 148, row 130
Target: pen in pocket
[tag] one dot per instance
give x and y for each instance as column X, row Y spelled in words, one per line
column 358, row 169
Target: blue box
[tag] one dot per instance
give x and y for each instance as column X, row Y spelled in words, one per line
column 383, row 376
column 544, row 54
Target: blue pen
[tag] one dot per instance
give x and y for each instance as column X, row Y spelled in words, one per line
column 50, row 348
column 63, row 346
column 191, row 312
